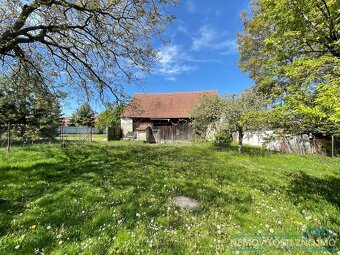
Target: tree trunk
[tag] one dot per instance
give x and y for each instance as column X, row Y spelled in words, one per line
column 282, row 141
column 8, row 136
column 90, row 133
column 240, row 140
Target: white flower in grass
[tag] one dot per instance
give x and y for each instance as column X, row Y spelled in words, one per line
column 48, row 227
column 60, row 242
column 58, row 236
column 271, row 230
column 218, row 226
column 279, row 222
column 304, row 228
column 259, row 231
column 138, row 215
column 308, row 217
column 332, row 233
column 17, row 247
column 267, row 226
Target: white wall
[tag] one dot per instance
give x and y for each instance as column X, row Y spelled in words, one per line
column 126, row 125
column 271, row 141
column 142, row 136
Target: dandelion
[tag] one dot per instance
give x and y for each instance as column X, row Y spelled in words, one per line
column 33, row 226
column 17, row 247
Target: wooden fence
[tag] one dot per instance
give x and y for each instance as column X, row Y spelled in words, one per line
column 174, row 133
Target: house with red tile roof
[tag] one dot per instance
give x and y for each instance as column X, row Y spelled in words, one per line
column 163, row 117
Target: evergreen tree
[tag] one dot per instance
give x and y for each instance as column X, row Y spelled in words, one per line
column 83, row 116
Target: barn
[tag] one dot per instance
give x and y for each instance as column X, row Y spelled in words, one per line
column 162, row 117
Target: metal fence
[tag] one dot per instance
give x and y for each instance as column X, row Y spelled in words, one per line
column 80, row 130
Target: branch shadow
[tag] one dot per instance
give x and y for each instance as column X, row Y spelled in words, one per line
column 315, row 188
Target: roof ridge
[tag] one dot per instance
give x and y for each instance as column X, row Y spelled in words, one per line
column 163, row 93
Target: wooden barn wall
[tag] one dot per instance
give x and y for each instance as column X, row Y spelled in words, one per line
column 172, row 133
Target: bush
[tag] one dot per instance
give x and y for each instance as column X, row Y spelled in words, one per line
column 223, row 138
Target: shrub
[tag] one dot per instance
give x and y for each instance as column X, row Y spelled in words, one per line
column 223, row 138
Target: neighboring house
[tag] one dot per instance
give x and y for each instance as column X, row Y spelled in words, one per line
column 66, row 120
column 161, row 117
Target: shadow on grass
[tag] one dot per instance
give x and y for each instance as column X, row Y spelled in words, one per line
column 124, row 180
column 314, row 188
column 246, row 150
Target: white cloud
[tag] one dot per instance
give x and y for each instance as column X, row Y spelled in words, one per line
column 211, row 39
column 173, row 62
column 171, row 78
column 183, row 29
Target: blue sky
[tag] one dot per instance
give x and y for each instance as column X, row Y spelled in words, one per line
column 202, row 53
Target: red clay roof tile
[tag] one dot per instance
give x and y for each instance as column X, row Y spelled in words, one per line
column 165, row 105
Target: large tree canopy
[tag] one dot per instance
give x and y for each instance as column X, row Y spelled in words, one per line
column 291, row 48
column 110, row 117
column 97, row 45
column 231, row 113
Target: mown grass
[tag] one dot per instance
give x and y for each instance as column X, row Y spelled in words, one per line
column 113, row 198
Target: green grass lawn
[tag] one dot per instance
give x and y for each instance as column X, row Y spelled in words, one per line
column 113, row 198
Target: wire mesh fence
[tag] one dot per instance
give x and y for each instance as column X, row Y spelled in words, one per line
column 20, row 135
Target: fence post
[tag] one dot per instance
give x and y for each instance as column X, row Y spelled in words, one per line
column 62, row 136
column 8, row 136
column 332, row 145
column 91, row 133
column 109, row 133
